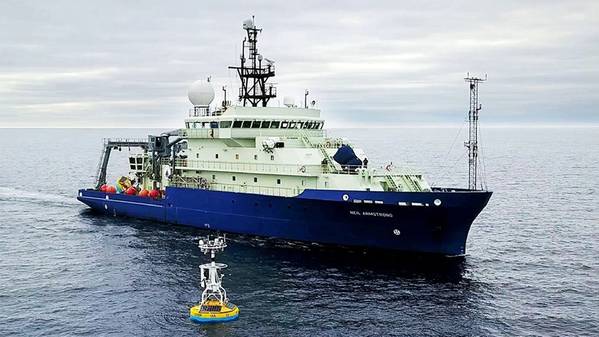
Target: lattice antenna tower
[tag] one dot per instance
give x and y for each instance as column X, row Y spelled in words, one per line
column 472, row 143
column 254, row 70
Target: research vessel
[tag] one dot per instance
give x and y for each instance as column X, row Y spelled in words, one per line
column 250, row 167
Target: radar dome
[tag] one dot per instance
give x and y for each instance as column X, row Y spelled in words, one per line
column 201, row 93
column 248, row 23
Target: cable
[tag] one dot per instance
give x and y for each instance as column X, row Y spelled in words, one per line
column 445, row 159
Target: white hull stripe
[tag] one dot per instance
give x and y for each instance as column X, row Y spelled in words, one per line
column 126, row 202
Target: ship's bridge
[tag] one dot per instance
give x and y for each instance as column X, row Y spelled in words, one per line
column 243, row 122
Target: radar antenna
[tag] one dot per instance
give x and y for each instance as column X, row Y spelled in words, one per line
column 472, row 143
column 252, row 72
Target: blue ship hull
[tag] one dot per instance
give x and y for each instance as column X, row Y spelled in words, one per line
column 426, row 222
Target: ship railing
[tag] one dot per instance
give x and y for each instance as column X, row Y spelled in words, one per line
column 227, row 166
column 200, row 183
column 248, row 133
column 204, row 112
column 199, row 133
column 377, row 171
column 124, row 140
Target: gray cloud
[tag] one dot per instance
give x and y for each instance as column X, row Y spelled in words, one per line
column 128, row 63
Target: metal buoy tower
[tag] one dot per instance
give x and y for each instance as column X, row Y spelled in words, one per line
column 472, row 143
column 211, row 278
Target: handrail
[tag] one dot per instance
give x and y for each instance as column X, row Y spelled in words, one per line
column 124, row 140
column 285, row 169
column 193, row 182
column 251, row 132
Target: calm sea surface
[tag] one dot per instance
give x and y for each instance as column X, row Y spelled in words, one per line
column 532, row 267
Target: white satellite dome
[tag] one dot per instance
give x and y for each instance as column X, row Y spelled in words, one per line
column 201, row 93
column 248, row 23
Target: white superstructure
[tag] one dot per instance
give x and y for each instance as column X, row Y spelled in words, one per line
column 256, row 148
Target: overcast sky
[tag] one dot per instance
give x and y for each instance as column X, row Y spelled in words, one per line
column 381, row 63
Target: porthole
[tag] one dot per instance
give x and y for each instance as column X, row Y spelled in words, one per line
column 345, row 197
column 396, row 232
column 437, row 202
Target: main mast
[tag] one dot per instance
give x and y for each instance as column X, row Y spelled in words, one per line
column 252, row 72
column 472, row 143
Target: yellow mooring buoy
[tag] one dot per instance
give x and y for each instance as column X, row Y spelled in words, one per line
column 214, row 307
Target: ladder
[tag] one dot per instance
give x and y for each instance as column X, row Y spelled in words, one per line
column 99, row 179
column 391, row 183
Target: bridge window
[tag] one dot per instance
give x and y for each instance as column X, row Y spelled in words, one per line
column 255, row 124
column 237, row 124
column 292, row 125
column 225, row 124
column 275, row 124
column 284, row 125
column 265, row 124
column 247, row 124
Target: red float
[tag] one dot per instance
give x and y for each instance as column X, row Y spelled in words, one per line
column 110, row 189
column 103, row 188
column 131, row 191
column 155, row 194
column 144, row 193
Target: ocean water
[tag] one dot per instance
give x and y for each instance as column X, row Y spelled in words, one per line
column 531, row 269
